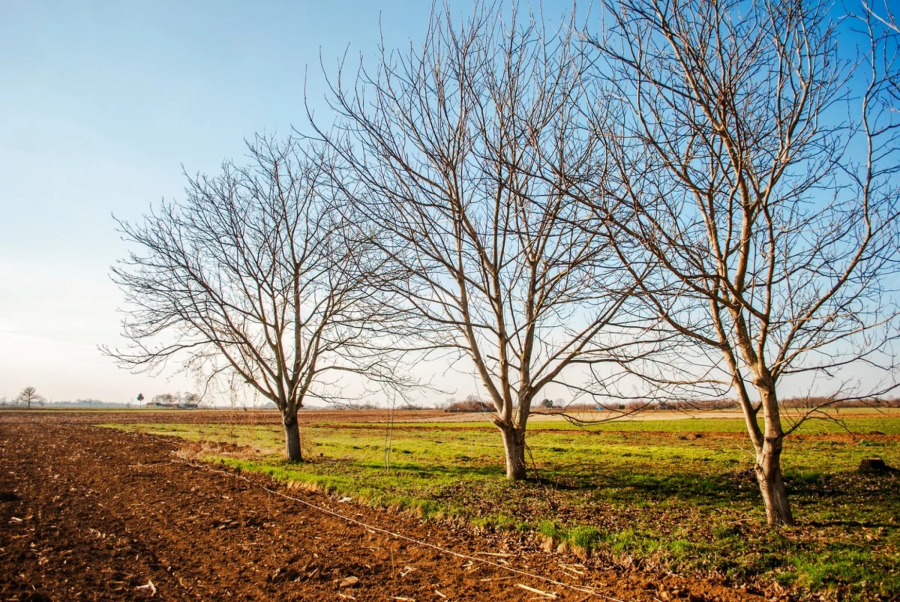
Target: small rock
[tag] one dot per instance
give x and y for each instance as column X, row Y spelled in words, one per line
column 349, row 582
column 582, row 554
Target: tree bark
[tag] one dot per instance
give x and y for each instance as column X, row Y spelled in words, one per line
column 514, row 446
column 771, row 484
column 292, row 438
column 768, row 452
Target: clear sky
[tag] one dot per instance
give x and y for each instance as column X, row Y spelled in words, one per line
column 102, row 104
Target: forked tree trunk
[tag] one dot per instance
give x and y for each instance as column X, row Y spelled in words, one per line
column 292, row 438
column 771, row 484
column 514, row 446
column 768, row 441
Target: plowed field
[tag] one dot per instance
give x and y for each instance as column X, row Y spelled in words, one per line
column 88, row 513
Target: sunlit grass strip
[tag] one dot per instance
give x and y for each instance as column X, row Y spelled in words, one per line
column 684, row 500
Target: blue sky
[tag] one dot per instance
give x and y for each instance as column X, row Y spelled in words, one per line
column 102, row 104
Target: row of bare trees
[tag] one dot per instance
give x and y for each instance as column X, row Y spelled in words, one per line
column 700, row 200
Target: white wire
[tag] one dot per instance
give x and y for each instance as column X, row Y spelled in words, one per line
column 348, row 519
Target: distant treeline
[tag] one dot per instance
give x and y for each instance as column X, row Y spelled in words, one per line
column 731, row 404
column 78, row 403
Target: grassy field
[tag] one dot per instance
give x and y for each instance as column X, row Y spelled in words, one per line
column 677, row 495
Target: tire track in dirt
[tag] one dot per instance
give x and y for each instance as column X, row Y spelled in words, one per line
column 88, row 513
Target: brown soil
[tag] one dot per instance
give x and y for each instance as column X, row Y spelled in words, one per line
column 97, row 514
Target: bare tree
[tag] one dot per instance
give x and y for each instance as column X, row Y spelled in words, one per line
column 28, row 396
column 882, row 28
column 457, row 151
column 253, row 278
column 763, row 212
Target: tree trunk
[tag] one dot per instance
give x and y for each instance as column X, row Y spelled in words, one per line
column 292, row 439
column 514, row 446
column 771, row 484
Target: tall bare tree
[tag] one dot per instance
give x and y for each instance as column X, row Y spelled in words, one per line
column 252, row 277
column 763, row 210
column 28, row 396
column 458, row 153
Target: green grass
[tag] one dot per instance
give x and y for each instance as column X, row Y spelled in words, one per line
column 674, row 495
